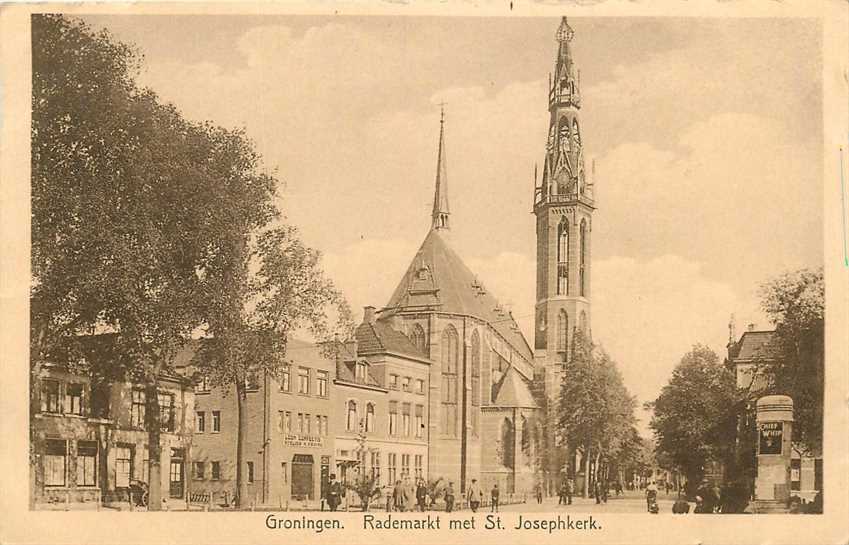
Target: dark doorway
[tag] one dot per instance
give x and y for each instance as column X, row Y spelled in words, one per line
column 302, row 477
column 177, row 473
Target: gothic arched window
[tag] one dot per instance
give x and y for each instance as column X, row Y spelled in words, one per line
column 508, row 443
column 583, row 256
column 564, row 133
column 526, row 436
column 370, row 417
column 351, row 422
column 476, row 381
column 562, row 331
column 449, row 354
column 418, row 338
column 563, row 257
column 576, row 134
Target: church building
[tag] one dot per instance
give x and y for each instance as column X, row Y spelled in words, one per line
column 488, row 388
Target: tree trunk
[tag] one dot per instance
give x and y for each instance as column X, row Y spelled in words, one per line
column 587, row 471
column 153, row 422
column 241, row 442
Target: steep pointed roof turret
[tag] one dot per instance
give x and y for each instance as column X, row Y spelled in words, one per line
column 440, row 196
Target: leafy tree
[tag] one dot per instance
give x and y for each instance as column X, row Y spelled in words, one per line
column 133, row 210
column 367, row 487
column 277, row 287
column 694, row 418
column 794, row 301
column 596, row 412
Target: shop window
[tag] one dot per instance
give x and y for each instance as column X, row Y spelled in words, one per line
column 87, row 463
column 123, row 466
column 55, row 461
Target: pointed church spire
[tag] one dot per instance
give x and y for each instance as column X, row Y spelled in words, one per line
column 440, row 196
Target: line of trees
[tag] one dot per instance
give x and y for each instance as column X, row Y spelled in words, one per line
column 156, row 229
column 701, row 416
column 595, row 415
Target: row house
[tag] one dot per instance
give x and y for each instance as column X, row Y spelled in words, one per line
column 382, row 388
column 90, row 444
column 290, row 432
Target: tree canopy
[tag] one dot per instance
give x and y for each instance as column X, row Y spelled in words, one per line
column 695, row 415
column 795, row 303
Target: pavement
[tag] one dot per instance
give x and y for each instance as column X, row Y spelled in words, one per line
column 628, row 502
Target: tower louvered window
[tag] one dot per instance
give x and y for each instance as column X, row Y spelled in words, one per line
column 562, row 331
column 583, row 257
column 563, row 257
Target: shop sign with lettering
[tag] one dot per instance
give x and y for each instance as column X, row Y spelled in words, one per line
column 293, row 440
column 770, row 434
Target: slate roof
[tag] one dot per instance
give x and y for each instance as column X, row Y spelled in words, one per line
column 381, row 337
column 438, row 280
column 757, row 345
column 513, row 391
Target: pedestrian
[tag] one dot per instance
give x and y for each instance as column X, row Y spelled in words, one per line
column 398, row 496
column 474, row 496
column 618, row 487
column 334, row 493
column 449, row 498
column 409, row 494
column 668, row 486
column 570, row 489
column 538, row 490
column 651, row 496
column 387, row 491
column 561, row 493
column 494, row 497
column 597, row 491
column 421, row 495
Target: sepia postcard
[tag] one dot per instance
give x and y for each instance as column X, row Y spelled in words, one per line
column 567, row 272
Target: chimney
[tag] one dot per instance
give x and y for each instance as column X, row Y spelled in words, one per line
column 751, row 327
column 368, row 314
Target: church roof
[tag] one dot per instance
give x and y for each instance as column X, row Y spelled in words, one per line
column 381, row 337
column 757, row 344
column 513, row 391
column 438, row 280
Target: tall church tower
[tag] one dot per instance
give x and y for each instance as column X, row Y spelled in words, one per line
column 563, row 205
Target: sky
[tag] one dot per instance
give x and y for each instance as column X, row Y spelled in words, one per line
column 706, row 135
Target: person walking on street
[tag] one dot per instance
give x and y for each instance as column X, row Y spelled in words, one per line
column 334, row 493
column 494, row 497
column 421, row 495
column 474, row 496
column 398, row 496
column 570, row 489
column 387, row 491
column 538, row 490
column 449, row 498
column 409, row 494
column 651, row 496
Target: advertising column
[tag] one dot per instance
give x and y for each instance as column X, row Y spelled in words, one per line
column 775, row 427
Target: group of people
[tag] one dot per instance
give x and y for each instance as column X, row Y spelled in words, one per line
column 406, row 495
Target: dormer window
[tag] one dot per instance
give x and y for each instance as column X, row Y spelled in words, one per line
column 360, row 371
